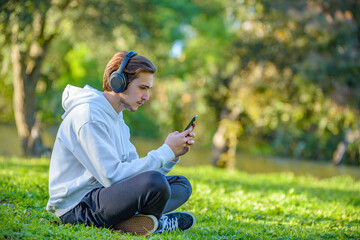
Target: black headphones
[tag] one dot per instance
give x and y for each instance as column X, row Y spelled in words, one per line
column 118, row 80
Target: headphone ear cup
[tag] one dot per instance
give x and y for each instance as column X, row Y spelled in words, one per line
column 118, row 79
column 117, row 82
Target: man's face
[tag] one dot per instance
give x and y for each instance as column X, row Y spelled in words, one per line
column 137, row 91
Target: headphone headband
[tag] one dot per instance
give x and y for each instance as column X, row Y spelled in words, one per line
column 125, row 61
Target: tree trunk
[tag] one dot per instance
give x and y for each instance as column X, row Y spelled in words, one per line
column 226, row 139
column 25, row 105
column 26, row 73
column 339, row 154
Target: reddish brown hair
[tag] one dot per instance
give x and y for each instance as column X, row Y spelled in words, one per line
column 136, row 65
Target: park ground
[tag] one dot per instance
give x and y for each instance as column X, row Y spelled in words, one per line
column 226, row 204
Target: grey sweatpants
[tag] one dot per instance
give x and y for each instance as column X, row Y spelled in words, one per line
column 149, row 193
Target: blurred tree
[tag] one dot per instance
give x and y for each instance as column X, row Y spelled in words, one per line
column 28, row 28
column 28, row 33
column 281, row 74
column 213, row 63
column 286, row 71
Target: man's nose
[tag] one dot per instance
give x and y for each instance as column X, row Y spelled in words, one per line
column 145, row 96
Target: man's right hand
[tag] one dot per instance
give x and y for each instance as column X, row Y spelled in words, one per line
column 178, row 141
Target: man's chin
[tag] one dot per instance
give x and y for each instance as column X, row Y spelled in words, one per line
column 132, row 109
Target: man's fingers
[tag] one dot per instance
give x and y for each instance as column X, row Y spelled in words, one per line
column 192, row 134
column 186, row 132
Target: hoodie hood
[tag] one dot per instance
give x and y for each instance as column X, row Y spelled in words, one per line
column 75, row 96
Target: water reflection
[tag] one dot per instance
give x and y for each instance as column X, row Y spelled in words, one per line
column 258, row 164
column 10, row 145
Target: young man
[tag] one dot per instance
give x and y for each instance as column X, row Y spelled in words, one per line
column 96, row 176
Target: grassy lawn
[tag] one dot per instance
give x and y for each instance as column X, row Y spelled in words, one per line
column 227, row 205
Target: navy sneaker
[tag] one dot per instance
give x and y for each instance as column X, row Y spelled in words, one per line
column 175, row 220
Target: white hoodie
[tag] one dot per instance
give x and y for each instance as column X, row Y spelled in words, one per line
column 93, row 149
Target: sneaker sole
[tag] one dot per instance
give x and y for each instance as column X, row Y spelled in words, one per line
column 138, row 224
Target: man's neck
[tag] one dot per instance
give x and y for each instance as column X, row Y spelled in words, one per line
column 114, row 100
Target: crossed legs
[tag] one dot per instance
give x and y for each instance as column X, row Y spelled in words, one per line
column 149, row 193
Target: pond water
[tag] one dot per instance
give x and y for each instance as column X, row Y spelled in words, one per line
column 9, row 145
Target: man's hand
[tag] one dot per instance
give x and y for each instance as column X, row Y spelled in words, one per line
column 180, row 142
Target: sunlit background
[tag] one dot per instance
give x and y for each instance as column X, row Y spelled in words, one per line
column 275, row 83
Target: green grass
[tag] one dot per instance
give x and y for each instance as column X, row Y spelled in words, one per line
column 227, row 205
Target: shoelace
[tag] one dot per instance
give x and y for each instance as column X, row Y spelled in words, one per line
column 169, row 225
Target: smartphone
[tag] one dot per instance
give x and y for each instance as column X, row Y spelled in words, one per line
column 191, row 122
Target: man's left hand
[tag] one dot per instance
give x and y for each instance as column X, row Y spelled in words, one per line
column 187, row 147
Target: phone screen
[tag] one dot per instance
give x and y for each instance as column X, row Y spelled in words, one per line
column 191, row 122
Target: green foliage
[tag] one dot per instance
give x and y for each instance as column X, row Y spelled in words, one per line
column 81, row 70
column 304, row 126
column 290, row 67
column 226, row 205
column 141, row 123
column 6, row 92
